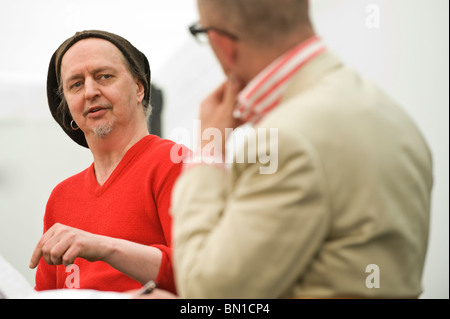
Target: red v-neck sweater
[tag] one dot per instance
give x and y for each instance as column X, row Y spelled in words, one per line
column 133, row 204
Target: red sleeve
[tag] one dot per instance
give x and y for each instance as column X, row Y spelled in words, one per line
column 165, row 277
column 163, row 196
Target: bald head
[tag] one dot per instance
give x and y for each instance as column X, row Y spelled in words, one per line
column 266, row 22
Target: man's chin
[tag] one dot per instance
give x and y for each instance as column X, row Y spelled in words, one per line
column 102, row 131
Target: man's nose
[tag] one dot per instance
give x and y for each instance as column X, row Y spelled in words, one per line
column 91, row 89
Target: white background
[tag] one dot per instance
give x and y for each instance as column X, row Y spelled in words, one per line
column 407, row 55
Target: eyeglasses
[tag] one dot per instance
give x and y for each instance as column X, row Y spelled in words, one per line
column 201, row 34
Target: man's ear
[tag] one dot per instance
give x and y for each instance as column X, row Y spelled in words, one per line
column 225, row 49
column 140, row 90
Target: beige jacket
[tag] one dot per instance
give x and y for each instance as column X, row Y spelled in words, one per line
column 346, row 214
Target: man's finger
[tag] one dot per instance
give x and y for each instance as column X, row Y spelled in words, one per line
column 38, row 252
column 232, row 89
column 36, row 256
column 58, row 251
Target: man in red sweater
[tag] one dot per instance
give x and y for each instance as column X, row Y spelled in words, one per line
column 111, row 222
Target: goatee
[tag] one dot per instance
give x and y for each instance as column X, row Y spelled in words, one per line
column 103, row 130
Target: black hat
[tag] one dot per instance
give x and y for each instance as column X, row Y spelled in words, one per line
column 137, row 60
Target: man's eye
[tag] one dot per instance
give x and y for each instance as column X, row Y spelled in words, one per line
column 75, row 85
column 106, row 76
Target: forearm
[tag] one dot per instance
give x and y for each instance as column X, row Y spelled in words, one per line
column 137, row 261
column 62, row 245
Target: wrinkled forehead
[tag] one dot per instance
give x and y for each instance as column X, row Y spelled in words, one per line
column 91, row 51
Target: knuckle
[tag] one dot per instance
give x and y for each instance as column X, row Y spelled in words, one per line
column 67, row 260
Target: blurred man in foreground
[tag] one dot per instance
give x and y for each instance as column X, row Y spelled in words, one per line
column 346, row 211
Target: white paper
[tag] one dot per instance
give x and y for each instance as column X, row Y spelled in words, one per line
column 14, row 286
column 12, row 283
column 76, row 294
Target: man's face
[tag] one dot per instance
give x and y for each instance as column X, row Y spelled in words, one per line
column 206, row 19
column 100, row 91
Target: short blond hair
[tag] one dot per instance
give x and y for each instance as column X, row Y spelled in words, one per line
column 260, row 21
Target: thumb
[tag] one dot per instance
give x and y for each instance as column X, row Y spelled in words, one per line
column 232, row 88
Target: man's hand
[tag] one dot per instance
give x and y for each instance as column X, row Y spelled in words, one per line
column 216, row 110
column 62, row 244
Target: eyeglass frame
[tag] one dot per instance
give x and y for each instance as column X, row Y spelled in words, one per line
column 196, row 29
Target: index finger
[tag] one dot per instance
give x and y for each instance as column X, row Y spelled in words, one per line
column 38, row 253
column 36, row 256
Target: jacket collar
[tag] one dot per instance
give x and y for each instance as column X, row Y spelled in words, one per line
column 315, row 70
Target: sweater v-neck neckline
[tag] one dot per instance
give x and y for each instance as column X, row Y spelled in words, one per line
column 98, row 189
